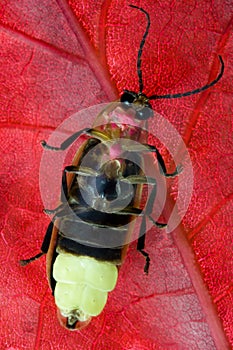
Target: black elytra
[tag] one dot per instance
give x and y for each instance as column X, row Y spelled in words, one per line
column 138, row 100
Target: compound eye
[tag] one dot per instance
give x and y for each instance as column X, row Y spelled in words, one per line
column 144, row 113
column 127, row 97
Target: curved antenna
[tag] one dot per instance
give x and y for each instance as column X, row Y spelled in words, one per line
column 139, row 61
column 193, row 92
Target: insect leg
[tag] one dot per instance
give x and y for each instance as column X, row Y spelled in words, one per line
column 141, row 245
column 25, row 262
column 128, row 211
column 63, row 197
column 90, row 132
column 162, row 165
column 71, row 169
column 54, row 211
column 64, row 187
column 82, row 171
column 137, row 179
column 156, row 223
column 142, row 233
column 47, row 238
column 150, row 148
column 149, row 207
column 63, row 208
column 44, row 247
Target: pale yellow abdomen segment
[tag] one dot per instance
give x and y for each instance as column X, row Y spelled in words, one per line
column 83, row 283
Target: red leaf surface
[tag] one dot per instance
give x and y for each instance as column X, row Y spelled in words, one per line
column 58, row 58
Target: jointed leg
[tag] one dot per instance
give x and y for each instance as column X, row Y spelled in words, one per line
column 149, row 148
column 141, row 245
column 82, row 171
column 91, row 132
column 44, row 247
column 138, row 179
column 142, row 233
column 64, row 187
column 162, row 164
column 25, row 262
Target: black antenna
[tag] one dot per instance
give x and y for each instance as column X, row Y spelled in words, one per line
column 193, row 92
column 139, row 61
column 168, row 96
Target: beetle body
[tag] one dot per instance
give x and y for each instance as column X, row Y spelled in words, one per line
column 88, row 237
column 95, row 235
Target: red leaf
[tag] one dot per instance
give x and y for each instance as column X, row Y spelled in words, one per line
column 49, row 70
